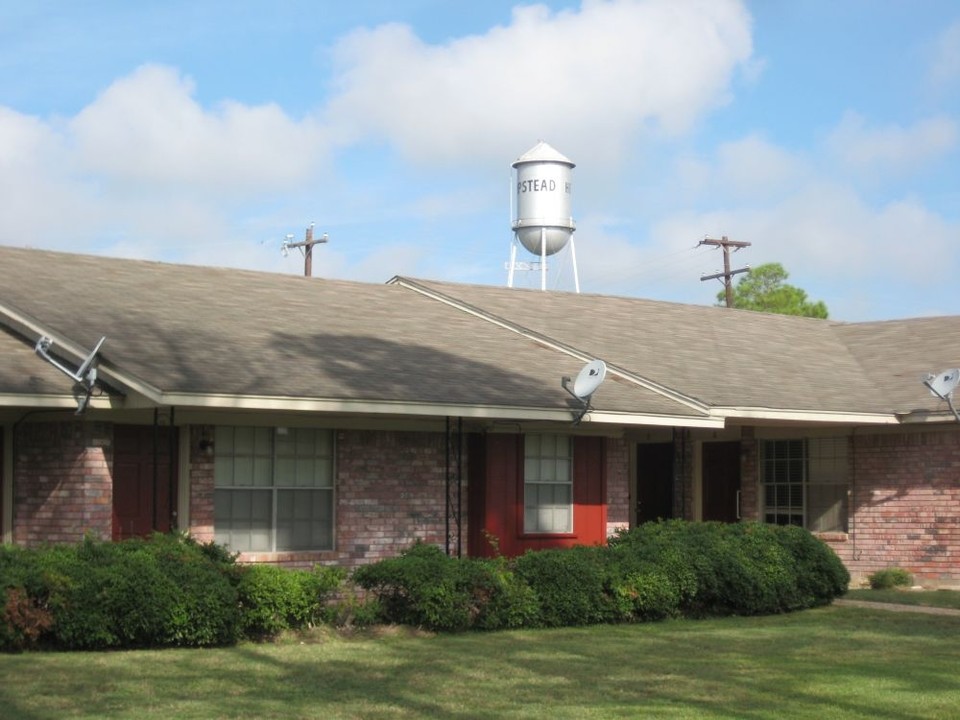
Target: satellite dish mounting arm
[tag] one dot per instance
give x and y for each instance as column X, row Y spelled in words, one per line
column 944, row 380
column 584, row 401
column 585, row 386
column 84, row 377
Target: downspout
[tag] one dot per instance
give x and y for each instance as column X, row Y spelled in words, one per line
column 156, row 470
column 172, row 473
column 446, row 486
column 453, row 513
column 853, row 496
column 459, row 514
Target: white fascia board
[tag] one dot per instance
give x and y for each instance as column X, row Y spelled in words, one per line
column 480, row 412
column 932, row 417
column 807, row 416
column 364, row 407
column 711, row 422
column 102, row 402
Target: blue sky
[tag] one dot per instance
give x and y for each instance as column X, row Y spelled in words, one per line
column 823, row 132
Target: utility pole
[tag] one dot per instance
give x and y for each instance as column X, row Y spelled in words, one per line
column 727, row 273
column 306, row 247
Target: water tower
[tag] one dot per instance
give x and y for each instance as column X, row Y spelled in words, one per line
column 543, row 223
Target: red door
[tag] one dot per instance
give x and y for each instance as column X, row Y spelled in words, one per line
column 721, row 481
column 144, row 480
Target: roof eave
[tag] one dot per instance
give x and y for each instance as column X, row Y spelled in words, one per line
column 788, row 415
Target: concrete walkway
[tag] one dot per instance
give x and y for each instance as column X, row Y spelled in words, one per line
column 897, row 607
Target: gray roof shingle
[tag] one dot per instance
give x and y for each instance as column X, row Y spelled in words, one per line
column 184, row 329
column 213, row 331
column 737, row 358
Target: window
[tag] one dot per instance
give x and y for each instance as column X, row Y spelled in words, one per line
column 273, row 488
column 805, row 483
column 547, row 484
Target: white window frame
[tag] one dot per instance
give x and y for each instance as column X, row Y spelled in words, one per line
column 274, row 465
column 547, row 469
column 793, row 472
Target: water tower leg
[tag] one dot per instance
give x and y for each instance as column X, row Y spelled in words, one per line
column 543, row 258
column 573, row 256
column 513, row 264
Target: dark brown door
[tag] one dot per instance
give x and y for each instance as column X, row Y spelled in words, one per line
column 654, row 482
column 721, row 481
column 144, row 480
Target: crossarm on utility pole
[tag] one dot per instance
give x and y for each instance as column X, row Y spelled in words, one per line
column 727, row 273
column 307, row 243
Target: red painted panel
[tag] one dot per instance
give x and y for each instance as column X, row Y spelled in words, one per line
column 502, row 503
column 589, row 491
column 496, row 496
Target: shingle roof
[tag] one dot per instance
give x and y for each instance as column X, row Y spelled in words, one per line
column 21, row 371
column 184, row 330
column 737, row 358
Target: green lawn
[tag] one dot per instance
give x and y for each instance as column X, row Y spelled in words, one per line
column 834, row 662
column 926, row 598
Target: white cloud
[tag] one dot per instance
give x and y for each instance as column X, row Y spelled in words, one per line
column 945, row 62
column 147, row 128
column 891, row 148
column 145, row 170
column 588, row 78
column 750, row 168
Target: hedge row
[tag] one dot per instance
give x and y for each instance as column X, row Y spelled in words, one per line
column 165, row 591
column 172, row 591
column 657, row 570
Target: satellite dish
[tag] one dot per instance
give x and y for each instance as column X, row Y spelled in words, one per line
column 943, row 384
column 84, row 377
column 589, row 379
column 586, row 384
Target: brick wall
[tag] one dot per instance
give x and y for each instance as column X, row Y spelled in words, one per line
column 390, row 489
column 618, row 485
column 905, row 506
column 201, row 483
column 63, row 486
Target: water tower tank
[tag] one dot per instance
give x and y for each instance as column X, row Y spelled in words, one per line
column 543, row 199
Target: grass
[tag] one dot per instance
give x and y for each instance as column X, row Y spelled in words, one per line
column 926, row 598
column 833, row 662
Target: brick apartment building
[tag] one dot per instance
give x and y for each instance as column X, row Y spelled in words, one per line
column 301, row 420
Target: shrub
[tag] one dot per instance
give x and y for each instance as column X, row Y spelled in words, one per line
column 424, row 587
column 572, row 586
column 161, row 591
column 273, row 599
column 500, row 598
column 22, row 622
column 890, row 578
column 820, row 575
column 353, row 609
column 722, row 569
column 205, row 610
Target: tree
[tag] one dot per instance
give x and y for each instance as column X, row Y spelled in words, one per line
column 763, row 289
